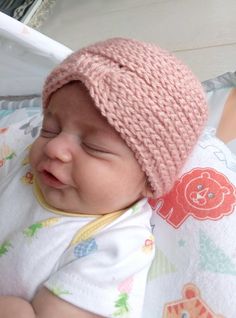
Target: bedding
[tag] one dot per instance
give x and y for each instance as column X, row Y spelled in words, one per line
column 193, row 273
column 28, row 57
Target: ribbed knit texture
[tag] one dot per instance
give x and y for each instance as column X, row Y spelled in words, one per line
column 151, row 99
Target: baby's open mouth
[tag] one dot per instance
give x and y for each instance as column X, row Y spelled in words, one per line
column 50, row 175
column 49, row 179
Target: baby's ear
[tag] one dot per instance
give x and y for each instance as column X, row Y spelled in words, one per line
column 147, row 191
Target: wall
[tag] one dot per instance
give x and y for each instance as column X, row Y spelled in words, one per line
column 200, row 32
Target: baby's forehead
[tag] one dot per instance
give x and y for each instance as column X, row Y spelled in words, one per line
column 86, row 117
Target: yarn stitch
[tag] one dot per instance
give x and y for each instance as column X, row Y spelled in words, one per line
column 151, row 98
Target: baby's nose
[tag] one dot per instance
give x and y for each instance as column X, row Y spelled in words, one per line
column 59, row 148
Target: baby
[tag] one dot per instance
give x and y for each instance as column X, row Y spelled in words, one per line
column 120, row 119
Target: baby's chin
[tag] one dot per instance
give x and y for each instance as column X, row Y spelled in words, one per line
column 68, row 200
column 55, row 200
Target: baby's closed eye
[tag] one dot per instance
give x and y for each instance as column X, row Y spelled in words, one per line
column 94, row 148
column 46, row 133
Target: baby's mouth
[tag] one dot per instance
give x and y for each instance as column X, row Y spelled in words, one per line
column 49, row 179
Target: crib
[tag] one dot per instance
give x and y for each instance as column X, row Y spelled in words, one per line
column 27, row 56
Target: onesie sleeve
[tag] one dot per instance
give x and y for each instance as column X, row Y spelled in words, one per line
column 14, row 141
column 107, row 273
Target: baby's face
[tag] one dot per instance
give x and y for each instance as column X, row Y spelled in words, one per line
column 80, row 162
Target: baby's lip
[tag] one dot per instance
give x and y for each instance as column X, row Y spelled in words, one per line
column 51, row 180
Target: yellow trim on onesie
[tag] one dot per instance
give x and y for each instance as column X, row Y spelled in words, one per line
column 89, row 229
column 39, row 196
column 94, row 226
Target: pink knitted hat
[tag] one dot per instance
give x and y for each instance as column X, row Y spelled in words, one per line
column 150, row 98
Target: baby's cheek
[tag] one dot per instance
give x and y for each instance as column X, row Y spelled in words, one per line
column 93, row 177
column 35, row 151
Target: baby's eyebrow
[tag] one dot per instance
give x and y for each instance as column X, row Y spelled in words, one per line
column 106, row 133
column 48, row 115
column 48, row 112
